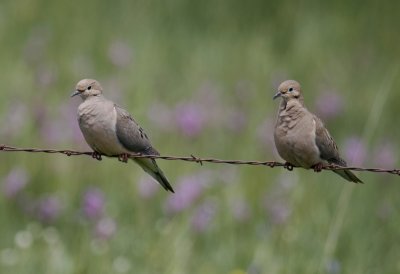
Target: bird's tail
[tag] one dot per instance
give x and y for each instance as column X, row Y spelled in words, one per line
column 348, row 175
column 151, row 167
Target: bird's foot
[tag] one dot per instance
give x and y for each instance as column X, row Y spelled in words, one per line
column 123, row 157
column 96, row 155
column 288, row 166
column 318, row 167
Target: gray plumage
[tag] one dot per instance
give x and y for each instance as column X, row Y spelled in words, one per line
column 300, row 137
column 109, row 129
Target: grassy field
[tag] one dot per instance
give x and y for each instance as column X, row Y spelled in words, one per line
column 199, row 77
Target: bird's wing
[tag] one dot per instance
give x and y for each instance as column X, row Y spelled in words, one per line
column 326, row 145
column 329, row 151
column 133, row 138
column 131, row 135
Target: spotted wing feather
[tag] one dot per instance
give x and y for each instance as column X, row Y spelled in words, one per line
column 134, row 139
column 329, row 151
column 131, row 135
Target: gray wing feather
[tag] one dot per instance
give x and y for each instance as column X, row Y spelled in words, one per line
column 133, row 138
column 326, row 145
column 329, row 151
column 131, row 135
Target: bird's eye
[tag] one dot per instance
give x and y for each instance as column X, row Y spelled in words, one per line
column 290, row 89
column 89, row 87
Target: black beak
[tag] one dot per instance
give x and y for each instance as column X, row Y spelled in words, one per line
column 278, row 94
column 76, row 92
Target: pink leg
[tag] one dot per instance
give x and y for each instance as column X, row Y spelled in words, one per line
column 318, row 167
column 123, row 157
column 288, row 166
column 96, row 155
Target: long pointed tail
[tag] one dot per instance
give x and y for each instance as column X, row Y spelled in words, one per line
column 348, row 175
column 151, row 167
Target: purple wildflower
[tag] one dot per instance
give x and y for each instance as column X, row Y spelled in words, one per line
column 329, row 105
column 93, row 203
column 187, row 191
column 190, row 119
column 48, row 209
column 203, row 216
column 355, row 152
column 15, row 182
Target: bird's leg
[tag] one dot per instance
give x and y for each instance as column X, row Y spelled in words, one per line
column 123, row 157
column 288, row 166
column 318, row 167
column 96, row 155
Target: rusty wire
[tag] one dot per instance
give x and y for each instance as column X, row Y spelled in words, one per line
column 190, row 158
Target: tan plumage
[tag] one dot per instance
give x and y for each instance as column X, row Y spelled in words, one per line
column 109, row 129
column 300, row 137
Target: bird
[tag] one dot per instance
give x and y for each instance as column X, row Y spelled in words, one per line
column 301, row 138
column 110, row 130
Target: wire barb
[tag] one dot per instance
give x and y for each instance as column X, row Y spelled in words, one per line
column 192, row 158
column 197, row 160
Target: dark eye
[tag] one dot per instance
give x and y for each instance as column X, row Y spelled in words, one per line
column 290, row 89
column 89, row 87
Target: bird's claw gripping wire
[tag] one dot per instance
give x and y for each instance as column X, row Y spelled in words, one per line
column 288, row 166
column 318, row 167
column 123, row 157
column 96, row 155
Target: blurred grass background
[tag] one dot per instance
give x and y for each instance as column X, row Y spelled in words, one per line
column 199, row 77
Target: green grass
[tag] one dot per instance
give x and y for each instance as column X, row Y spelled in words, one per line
column 226, row 58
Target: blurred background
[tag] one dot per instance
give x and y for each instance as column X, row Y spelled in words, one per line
column 199, row 76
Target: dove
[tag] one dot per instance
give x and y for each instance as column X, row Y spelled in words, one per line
column 110, row 130
column 301, row 138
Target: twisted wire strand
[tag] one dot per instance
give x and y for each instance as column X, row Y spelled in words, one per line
column 191, row 158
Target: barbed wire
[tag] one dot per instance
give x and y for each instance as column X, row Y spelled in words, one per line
column 190, row 158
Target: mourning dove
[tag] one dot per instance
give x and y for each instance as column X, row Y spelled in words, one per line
column 301, row 138
column 110, row 130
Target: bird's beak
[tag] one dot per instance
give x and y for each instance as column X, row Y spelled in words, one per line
column 278, row 94
column 76, row 92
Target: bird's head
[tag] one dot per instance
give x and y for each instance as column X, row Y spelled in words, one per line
column 288, row 90
column 87, row 88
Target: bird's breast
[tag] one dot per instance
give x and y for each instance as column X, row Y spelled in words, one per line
column 97, row 122
column 295, row 139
